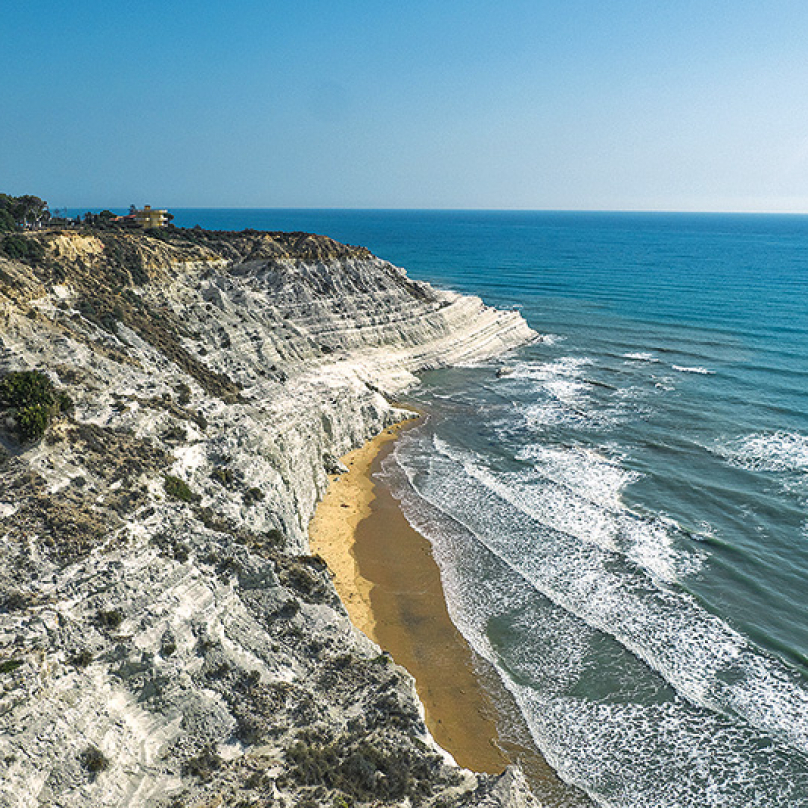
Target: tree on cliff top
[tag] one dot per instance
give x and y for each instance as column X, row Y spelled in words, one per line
column 17, row 212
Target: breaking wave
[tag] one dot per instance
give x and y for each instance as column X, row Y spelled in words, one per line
column 776, row 451
column 567, row 567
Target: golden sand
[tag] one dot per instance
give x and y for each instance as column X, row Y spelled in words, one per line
column 333, row 528
column 386, row 577
column 390, row 584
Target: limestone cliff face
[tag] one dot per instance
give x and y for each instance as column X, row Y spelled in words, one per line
column 164, row 637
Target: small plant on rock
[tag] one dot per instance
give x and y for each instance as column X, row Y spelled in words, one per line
column 252, row 495
column 10, row 665
column 204, row 764
column 81, row 659
column 184, row 394
column 32, row 401
column 178, row 489
column 109, row 618
column 224, row 476
column 94, row 760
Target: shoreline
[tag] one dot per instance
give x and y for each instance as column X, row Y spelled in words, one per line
column 389, row 582
column 390, row 585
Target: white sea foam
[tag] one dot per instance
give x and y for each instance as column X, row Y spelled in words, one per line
column 773, row 451
column 641, row 356
column 700, row 370
column 702, row 657
column 563, row 367
column 664, row 383
column 581, row 469
column 558, row 394
column 553, row 413
column 566, row 391
column 630, row 749
column 552, row 339
column 578, row 491
column 705, row 531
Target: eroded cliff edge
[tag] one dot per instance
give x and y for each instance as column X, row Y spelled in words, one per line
column 165, row 640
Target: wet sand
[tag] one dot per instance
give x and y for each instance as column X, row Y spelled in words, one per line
column 413, row 624
column 390, row 584
column 386, row 576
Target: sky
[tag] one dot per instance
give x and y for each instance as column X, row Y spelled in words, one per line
column 514, row 104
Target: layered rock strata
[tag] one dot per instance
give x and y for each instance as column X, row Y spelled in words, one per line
column 165, row 639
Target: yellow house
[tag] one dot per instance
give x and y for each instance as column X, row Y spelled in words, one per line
column 151, row 218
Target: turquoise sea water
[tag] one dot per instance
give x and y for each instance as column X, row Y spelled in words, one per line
column 620, row 510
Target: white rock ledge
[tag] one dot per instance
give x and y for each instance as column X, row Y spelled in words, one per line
column 158, row 652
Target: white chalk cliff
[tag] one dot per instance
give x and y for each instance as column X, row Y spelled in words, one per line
column 165, row 638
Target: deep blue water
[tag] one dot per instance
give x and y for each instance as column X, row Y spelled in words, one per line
column 620, row 514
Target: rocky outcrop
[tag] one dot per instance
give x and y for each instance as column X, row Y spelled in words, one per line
column 165, row 639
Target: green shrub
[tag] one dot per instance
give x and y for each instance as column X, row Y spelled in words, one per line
column 361, row 771
column 204, row 764
column 184, row 394
column 32, row 421
column 252, row 495
column 7, row 222
column 20, row 248
column 9, row 665
column 33, row 401
column 178, row 489
column 175, row 433
column 20, row 388
column 94, row 760
column 275, row 538
column 80, row 659
column 223, row 475
column 64, row 401
column 110, row 619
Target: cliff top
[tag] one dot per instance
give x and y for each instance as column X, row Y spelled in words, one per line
column 137, row 257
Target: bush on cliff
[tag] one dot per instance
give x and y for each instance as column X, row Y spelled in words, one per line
column 32, row 400
column 363, row 771
column 178, row 489
column 21, row 248
column 94, row 760
column 7, row 222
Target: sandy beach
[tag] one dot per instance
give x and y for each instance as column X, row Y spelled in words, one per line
column 386, row 576
column 390, row 584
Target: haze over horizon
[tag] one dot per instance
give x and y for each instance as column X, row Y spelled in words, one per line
column 517, row 105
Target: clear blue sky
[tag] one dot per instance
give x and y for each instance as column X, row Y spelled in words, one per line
column 559, row 104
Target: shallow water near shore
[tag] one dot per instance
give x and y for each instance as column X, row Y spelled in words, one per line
column 620, row 511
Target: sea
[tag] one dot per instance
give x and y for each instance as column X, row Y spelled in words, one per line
column 619, row 510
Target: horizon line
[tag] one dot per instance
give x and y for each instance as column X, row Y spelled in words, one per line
column 459, row 210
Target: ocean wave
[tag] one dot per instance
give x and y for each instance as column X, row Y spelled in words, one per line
column 551, row 339
column 548, row 394
column 664, row 383
column 581, row 468
column 702, row 657
column 563, row 367
column 641, row 356
column 700, row 370
column 635, row 745
column 578, row 491
column 773, row 451
column 551, row 413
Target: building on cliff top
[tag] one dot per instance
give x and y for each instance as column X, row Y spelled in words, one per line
column 151, row 218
